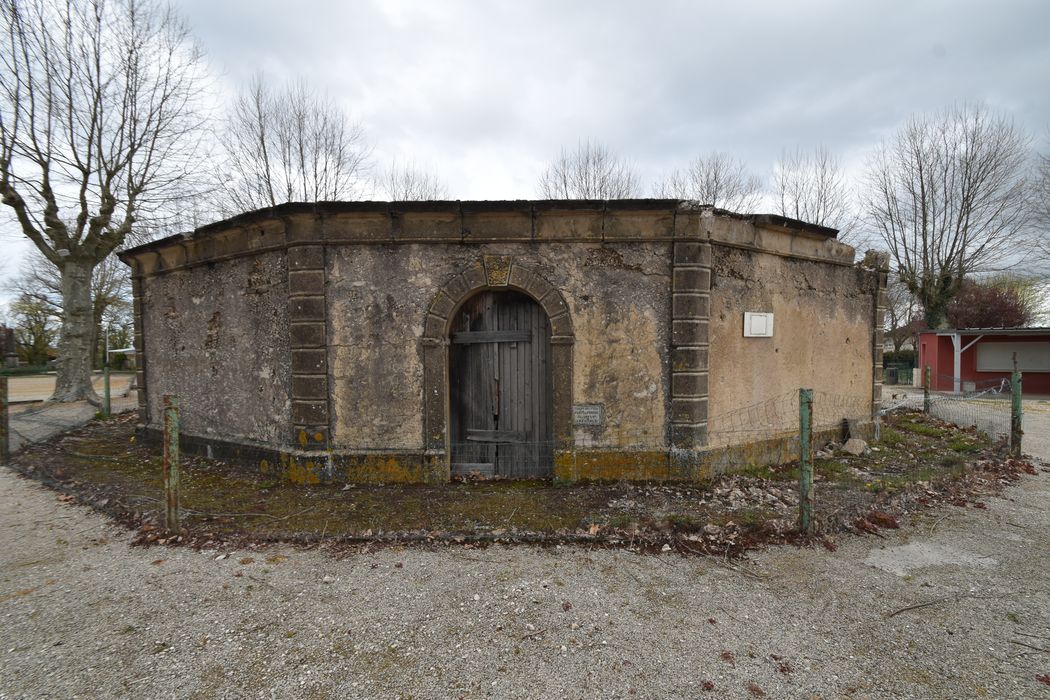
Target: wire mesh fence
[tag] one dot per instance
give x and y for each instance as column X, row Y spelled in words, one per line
column 986, row 406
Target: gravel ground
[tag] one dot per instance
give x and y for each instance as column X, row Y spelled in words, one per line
column 85, row 615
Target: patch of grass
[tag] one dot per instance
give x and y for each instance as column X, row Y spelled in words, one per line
column 622, row 521
column 919, row 428
column 783, row 472
column 833, row 469
column 891, row 438
column 677, row 522
column 964, row 445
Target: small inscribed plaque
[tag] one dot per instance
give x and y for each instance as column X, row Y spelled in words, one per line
column 587, row 414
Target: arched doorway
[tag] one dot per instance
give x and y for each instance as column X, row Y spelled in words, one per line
column 500, row 388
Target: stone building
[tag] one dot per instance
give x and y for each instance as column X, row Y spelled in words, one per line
column 414, row 341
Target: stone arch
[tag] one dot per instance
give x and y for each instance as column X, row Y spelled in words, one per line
column 493, row 272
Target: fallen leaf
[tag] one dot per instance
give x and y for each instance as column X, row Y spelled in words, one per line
column 755, row 690
column 707, row 685
column 884, row 520
column 158, row 561
column 566, row 606
column 247, row 560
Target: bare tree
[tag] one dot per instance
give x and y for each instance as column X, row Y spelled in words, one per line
column 41, row 282
column 947, row 195
column 590, row 171
column 290, row 146
column 407, row 183
column 812, row 187
column 98, row 120
column 903, row 314
column 1041, row 207
column 717, row 179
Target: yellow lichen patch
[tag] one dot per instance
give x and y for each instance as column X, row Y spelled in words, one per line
column 319, row 437
column 608, row 465
column 565, row 466
column 303, row 438
column 264, row 466
column 384, row 469
column 303, row 472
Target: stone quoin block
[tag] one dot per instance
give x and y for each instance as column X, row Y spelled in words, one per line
column 690, row 306
column 309, row 412
column 690, row 253
column 689, row 358
column 310, row 361
column 688, row 410
column 692, row 279
column 306, row 258
column 684, row 384
column 689, row 332
column 687, row 435
column 306, row 309
column 307, row 335
column 310, row 387
column 306, row 283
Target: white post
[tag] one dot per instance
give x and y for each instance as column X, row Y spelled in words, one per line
column 957, row 345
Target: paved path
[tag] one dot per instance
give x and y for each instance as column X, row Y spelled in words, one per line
column 85, row 615
column 37, row 422
column 41, row 387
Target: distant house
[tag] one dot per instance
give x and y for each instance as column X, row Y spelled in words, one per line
column 971, row 359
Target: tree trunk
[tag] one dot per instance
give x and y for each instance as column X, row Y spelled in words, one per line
column 75, row 344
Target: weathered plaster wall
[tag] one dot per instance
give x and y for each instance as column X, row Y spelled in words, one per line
column 822, row 339
column 218, row 338
column 378, row 295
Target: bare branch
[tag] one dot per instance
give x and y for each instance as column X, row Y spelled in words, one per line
column 716, row 179
column 590, row 171
column 409, row 183
column 812, row 187
column 290, row 146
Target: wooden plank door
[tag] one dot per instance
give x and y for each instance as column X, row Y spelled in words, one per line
column 500, row 388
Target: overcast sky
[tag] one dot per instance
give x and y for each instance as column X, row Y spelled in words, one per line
column 483, row 93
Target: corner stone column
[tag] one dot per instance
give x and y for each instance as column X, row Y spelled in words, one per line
column 307, row 318
column 690, row 312
column 140, row 347
column 882, row 271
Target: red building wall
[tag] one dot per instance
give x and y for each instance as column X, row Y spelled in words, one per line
column 939, row 354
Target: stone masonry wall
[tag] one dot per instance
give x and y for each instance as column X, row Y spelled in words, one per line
column 822, row 339
column 218, row 338
column 618, row 297
column 315, row 336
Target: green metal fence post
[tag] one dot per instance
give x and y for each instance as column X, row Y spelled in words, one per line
column 106, row 406
column 805, row 460
column 171, row 462
column 926, row 377
column 5, row 425
column 1015, row 414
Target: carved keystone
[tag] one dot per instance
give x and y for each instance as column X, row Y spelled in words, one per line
column 497, row 269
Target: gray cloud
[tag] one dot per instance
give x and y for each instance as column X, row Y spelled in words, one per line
column 484, row 93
